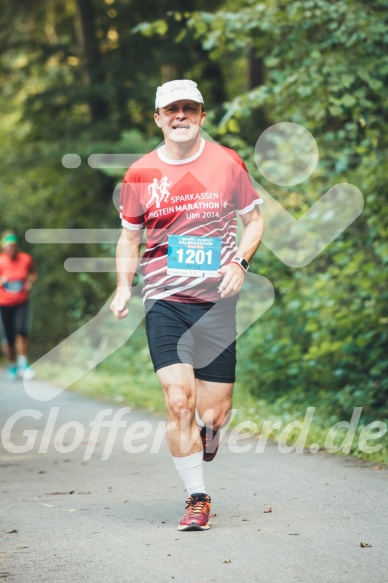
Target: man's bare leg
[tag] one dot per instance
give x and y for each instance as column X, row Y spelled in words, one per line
column 21, row 345
column 214, row 401
column 9, row 351
column 179, row 387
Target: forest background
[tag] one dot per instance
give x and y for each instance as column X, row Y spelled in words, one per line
column 79, row 76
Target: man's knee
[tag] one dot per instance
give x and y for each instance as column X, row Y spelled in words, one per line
column 178, row 399
column 178, row 386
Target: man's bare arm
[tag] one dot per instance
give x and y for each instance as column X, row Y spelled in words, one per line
column 127, row 259
column 250, row 240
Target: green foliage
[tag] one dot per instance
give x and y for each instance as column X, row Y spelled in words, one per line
column 326, row 68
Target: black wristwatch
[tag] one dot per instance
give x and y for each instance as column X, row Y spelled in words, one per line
column 241, row 262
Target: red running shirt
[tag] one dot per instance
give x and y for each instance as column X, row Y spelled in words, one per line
column 199, row 196
column 15, row 271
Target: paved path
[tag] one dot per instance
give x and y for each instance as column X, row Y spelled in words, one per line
column 64, row 518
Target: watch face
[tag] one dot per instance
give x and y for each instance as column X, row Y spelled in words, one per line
column 241, row 261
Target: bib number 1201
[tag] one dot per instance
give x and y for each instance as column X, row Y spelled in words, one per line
column 193, row 256
column 197, row 256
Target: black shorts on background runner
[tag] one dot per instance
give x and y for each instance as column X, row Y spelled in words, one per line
column 15, row 321
column 201, row 334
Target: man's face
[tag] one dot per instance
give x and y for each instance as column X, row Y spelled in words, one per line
column 11, row 250
column 180, row 121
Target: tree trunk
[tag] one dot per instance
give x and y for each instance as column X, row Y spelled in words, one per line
column 92, row 59
column 255, row 74
column 255, row 78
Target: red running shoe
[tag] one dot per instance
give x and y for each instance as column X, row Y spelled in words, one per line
column 197, row 515
column 210, row 441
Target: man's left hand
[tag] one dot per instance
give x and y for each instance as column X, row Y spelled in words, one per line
column 232, row 280
column 28, row 285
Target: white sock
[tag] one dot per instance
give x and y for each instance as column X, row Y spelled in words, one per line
column 22, row 360
column 198, row 419
column 190, row 469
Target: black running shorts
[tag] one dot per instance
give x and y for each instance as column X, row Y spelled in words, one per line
column 202, row 335
column 15, row 321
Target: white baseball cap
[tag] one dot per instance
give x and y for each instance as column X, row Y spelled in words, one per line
column 176, row 90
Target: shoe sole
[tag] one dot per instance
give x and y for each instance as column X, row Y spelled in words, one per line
column 209, row 457
column 193, row 526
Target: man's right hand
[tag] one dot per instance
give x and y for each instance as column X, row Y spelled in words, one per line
column 119, row 303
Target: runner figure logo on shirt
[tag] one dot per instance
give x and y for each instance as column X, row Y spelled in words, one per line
column 159, row 191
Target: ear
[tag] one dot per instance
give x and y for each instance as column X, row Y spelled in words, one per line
column 157, row 120
column 203, row 117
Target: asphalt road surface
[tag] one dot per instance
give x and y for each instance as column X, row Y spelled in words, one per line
column 67, row 514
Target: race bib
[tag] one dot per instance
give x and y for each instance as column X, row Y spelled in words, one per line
column 193, row 256
column 14, row 286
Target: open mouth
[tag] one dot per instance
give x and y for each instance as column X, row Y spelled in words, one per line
column 181, row 127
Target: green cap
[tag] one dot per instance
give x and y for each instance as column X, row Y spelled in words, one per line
column 9, row 239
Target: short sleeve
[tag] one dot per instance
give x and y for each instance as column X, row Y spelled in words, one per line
column 131, row 211
column 246, row 197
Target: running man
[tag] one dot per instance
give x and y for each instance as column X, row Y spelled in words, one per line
column 193, row 271
column 164, row 186
column 153, row 190
column 17, row 276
